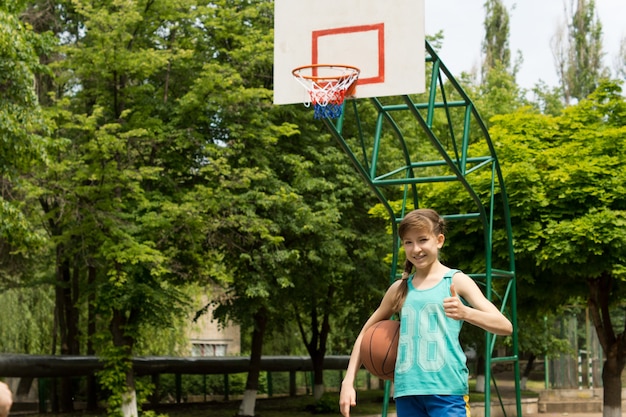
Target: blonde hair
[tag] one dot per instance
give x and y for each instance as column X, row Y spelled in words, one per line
column 419, row 219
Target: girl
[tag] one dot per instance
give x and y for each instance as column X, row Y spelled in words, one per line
column 431, row 375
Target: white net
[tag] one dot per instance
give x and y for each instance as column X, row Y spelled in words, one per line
column 327, row 84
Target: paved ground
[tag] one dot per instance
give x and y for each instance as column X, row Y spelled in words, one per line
column 599, row 414
column 578, row 414
column 535, row 415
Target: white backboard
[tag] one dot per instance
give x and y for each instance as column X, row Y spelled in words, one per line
column 383, row 38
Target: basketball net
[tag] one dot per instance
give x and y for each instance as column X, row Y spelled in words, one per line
column 328, row 86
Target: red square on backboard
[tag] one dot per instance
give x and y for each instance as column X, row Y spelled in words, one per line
column 377, row 29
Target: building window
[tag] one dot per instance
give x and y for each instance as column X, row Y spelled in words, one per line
column 208, row 349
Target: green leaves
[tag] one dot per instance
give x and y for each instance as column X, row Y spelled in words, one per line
column 22, row 145
column 565, row 177
column 20, row 118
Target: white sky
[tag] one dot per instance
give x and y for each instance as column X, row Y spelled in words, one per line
column 533, row 24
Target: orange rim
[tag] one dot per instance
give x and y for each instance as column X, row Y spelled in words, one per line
column 312, row 67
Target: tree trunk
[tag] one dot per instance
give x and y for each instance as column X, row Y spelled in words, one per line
column 317, row 350
column 613, row 345
column 92, row 396
column 129, row 398
column 480, row 373
column 527, row 370
column 252, row 383
column 318, row 375
column 611, row 379
column 120, row 339
column 316, row 345
column 67, row 331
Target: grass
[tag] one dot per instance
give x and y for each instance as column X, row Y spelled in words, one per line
column 368, row 403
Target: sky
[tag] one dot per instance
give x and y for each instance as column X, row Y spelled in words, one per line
column 532, row 25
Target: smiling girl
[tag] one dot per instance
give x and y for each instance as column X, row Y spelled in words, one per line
column 431, row 375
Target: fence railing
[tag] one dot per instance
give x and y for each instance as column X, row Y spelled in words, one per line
column 36, row 366
column 47, row 368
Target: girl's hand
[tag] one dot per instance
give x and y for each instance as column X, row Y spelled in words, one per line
column 453, row 306
column 347, row 399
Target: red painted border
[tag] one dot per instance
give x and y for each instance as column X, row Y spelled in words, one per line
column 379, row 27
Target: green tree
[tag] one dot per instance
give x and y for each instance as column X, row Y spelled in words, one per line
column 29, row 329
column 496, row 50
column 578, row 52
column 498, row 93
column 564, row 176
column 620, row 61
column 250, row 203
column 340, row 247
column 116, row 196
column 25, row 293
column 548, row 100
column 22, row 141
column 567, row 198
column 286, row 213
column 170, row 167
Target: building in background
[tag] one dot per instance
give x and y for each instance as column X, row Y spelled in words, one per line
column 208, row 339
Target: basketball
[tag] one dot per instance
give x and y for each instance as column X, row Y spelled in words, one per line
column 379, row 348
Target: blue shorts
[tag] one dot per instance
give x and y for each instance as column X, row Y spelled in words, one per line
column 433, row 406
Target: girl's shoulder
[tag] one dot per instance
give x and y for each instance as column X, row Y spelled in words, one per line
column 458, row 275
column 465, row 285
column 396, row 285
column 394, row 289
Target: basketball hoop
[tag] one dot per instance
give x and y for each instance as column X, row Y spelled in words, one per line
column 328, row 85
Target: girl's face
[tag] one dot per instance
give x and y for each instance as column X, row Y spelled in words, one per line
column 422, row 247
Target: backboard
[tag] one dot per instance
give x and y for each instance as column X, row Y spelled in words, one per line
column 383, row 38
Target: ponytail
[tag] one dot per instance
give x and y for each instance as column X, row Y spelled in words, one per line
column 403, row 289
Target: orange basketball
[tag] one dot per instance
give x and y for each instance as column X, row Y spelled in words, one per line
column 379, row 348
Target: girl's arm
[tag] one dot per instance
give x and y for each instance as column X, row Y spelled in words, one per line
column 482, row 313
column 347, row 396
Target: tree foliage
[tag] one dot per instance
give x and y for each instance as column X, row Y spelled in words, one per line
column 496, row 50
column 620, row 60
column 22, row 140
column 565, row 187
column 578, row 51
column 568, row 213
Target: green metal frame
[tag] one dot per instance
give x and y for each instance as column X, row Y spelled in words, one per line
column 452, row 130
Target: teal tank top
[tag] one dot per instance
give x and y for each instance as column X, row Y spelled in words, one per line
column 430, row 359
